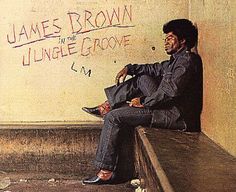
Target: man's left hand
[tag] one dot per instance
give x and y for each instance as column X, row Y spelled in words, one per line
column 135, row 102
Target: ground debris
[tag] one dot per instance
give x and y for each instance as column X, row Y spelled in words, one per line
column 4, row 182
column 135, row 183
column 52, row 180
column 23, row 180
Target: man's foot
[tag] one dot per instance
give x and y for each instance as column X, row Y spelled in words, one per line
column 102, row 178
column 98, row 111
column 93, row 111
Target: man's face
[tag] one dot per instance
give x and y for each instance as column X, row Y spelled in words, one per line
column 172, row 44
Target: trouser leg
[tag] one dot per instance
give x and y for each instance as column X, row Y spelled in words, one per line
column 141, row 85
column 114, row 121
column 123, row 117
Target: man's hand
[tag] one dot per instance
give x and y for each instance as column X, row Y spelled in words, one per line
column 135, row 102
column 121, row 75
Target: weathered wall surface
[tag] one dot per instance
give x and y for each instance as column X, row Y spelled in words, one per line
column 57, row 56
column 216, row 21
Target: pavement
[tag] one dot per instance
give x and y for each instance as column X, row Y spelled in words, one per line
column 31, row 182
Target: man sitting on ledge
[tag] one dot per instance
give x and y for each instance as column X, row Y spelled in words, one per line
column 164, row 95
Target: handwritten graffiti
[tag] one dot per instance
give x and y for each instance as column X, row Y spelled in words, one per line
column 88, row 46
column 91, row 45
column 82, row 70
column 62, row 40
column 33, row 33
column 44, row 54
column 80, row 22
column 88, row 21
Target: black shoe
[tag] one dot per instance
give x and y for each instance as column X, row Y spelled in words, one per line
column 93, row 111
column 97, row 181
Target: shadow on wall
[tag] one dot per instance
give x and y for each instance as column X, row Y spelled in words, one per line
column 199, row 93
column 199, row 78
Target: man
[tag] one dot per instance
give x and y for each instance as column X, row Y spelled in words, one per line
column 163, row 95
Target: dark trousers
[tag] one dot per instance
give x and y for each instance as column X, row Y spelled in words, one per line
column 122, row 116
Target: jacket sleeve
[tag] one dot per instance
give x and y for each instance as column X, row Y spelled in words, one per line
column 172, row 84
column 154, row 69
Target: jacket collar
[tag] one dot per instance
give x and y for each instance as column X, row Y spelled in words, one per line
column 180, row 53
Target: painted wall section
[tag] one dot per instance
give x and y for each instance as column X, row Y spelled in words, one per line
column 57, row 56
column 216, row 21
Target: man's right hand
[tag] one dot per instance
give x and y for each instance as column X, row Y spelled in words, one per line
column 121, row 75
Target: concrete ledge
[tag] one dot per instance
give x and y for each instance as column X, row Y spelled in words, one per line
column 49, row 124
column 173, row 161
column 153, row 177
column 58, row 148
